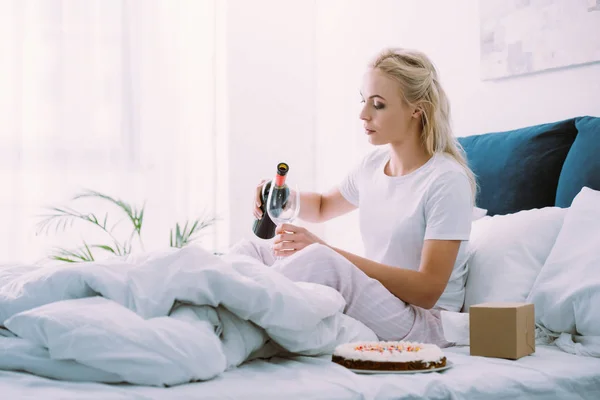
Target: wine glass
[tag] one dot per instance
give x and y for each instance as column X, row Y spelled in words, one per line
column 283, row 207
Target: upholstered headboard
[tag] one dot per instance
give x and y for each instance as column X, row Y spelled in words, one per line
column 535, row 167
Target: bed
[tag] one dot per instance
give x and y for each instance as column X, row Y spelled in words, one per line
column 549, row 374
column 534, row 167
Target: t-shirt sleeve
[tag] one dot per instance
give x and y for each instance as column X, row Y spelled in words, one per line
column 449, row 208
column 348, row 187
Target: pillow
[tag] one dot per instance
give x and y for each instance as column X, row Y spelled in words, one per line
column 507, row 252
column 478, row 213
column 519, row 169
column 582, row 165
column 566, row 293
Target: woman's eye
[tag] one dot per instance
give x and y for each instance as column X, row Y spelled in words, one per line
column 378, row 106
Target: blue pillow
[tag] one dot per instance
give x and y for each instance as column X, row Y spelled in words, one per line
column 582, row 165
column 519, row 169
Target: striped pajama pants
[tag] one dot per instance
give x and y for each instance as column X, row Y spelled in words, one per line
column 367, row 300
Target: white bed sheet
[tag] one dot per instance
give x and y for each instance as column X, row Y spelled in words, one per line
column 548, row 374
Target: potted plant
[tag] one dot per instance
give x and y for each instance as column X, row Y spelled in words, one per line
column 61, row 218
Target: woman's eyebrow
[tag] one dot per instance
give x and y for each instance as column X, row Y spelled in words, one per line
column 373, row 96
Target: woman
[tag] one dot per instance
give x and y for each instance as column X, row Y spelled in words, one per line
column 415, row 195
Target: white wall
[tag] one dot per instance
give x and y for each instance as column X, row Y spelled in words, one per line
column 294, row 75
column 270, row 63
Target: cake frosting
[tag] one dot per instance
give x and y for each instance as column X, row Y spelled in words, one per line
column 390, row 351
column 398, row 355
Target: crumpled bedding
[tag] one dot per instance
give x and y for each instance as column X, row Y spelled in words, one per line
column 165, row 318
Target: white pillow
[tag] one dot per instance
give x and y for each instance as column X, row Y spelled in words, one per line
column 507, row 252
column 566, row 293
column 479, row 213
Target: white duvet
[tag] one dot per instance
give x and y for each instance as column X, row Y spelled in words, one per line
column 164, row 318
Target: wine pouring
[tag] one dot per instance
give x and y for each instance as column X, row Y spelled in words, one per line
column 279, row 204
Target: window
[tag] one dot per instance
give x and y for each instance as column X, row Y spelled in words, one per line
column 113, row 96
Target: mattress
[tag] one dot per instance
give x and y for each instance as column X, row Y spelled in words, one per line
column 548, row 374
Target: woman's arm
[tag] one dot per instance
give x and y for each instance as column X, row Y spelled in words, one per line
column 421, row 288
column 314, row 207
column 317, row 207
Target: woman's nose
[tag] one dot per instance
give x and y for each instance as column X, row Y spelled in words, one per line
column 364, row 115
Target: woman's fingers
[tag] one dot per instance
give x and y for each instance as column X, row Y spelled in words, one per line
column 283, row 237
column 284, row 246
column 258, row 199
column 288, row 228
column 289, row 245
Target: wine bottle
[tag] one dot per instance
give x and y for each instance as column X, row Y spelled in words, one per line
column 264, row 227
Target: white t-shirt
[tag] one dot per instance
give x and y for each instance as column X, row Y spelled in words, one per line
column 397, row 214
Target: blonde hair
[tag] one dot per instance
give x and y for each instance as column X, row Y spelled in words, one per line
column 421, row 87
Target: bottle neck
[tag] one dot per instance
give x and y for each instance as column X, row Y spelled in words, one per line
column 279, row 180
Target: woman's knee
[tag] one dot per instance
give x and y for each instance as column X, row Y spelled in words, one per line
column 316, row 263
column 244, row 246
column 259, row 251
column 318, row 251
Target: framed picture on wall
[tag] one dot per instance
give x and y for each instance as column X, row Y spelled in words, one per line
column 526, row 36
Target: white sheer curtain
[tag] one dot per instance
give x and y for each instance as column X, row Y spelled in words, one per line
column 111, row 95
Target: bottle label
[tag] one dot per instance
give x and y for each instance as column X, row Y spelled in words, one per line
column 279, row 180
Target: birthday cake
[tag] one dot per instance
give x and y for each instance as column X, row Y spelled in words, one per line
column 389, row 356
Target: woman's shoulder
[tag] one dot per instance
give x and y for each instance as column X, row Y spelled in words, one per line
column 445, row 164
column 448, row 175
column 374, row 158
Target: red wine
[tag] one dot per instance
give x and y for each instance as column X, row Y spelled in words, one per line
column 264, row 227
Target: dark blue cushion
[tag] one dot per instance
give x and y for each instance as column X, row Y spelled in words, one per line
column 519, row 169
column 582, row 165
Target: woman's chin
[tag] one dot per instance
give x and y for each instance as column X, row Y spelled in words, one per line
column 374, row 140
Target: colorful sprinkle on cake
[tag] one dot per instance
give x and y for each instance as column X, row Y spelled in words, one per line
column 389, row 347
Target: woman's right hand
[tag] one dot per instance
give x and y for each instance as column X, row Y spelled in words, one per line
column 257, row 199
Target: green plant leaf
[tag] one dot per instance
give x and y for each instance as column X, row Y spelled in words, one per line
column 106, row 248
column 81, row 254
column 60, row 217
column 63, row 217
column 135, row 215
column 65, row 259
column 183, row 236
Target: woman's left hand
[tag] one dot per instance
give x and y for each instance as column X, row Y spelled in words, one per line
column 291, row 239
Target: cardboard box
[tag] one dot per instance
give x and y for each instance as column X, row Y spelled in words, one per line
column 502, row 330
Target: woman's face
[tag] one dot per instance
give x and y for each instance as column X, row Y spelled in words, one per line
column 386, row 116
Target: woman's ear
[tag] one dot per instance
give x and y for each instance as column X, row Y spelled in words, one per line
column 417, row 112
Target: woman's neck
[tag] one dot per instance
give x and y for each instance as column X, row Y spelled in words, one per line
column 405, row 159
